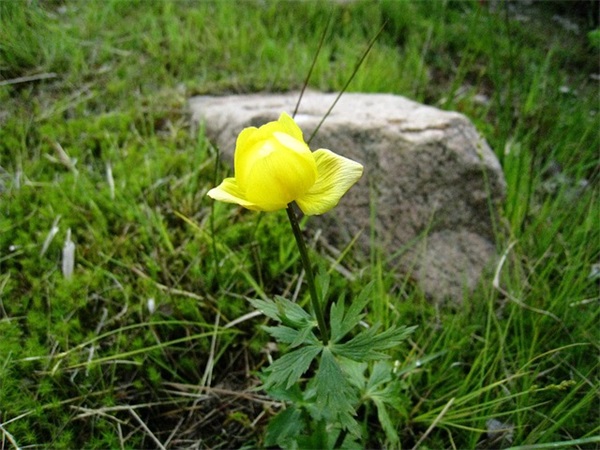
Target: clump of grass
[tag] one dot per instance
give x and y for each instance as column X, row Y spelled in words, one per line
column 136, row 349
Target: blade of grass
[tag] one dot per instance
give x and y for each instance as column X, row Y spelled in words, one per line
column 356, row 67
column 560, row 444
column 312, row 66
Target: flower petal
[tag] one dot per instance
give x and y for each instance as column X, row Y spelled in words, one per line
column 281, row 176
column 246, row 142
column 229, row 191
column 336, row 174
column 251, row 141
column 290, row 127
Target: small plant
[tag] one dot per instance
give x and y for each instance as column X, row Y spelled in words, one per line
column 333, row 365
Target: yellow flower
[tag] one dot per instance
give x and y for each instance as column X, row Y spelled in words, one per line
column 273, row 167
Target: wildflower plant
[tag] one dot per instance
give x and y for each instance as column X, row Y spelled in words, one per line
column 335, row 363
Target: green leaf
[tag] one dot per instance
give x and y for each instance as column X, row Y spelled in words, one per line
column 351, row 443
column 292, row 336
column 335, row 395
column 319, row 437
column 336, row 320
column 386, row 423
column 342, row 324
column 292, row 394
column 305, row 336
column 381, row 373
column 282, row 333
column 384, row 391
column 284, row 428
column 369, row 345
column 355, row 371
column 267, row 307
column 322, row 280
column 289, row 368
column 283, row 310
column 292, row 311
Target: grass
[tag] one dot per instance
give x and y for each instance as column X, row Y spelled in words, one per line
column 95, row 138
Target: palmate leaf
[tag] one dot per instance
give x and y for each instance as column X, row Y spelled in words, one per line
column 368, row 345
column 322, row 280
column 335, row 395
column 285, row 311
column 289, row 368
column 386, row 422
column 381, row 387
column 292, row 311
column 284, row 428
column 380, row 374
column 305, row 336
column 383, row 391
column 267, row 307
column 355, row 371
column 283, row 334
column 342, row 322
column 291, row 336
column 292, row 394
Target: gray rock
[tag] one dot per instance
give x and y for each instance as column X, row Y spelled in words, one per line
column 431, row 180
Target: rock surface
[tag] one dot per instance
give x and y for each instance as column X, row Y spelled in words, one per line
column 430, row 179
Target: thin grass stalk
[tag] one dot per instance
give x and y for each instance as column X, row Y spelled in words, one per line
column 350, row 78
column 312, row 66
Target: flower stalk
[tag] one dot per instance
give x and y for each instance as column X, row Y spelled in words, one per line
column 310, row 279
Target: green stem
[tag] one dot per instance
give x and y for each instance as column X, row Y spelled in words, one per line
column 310, row 279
